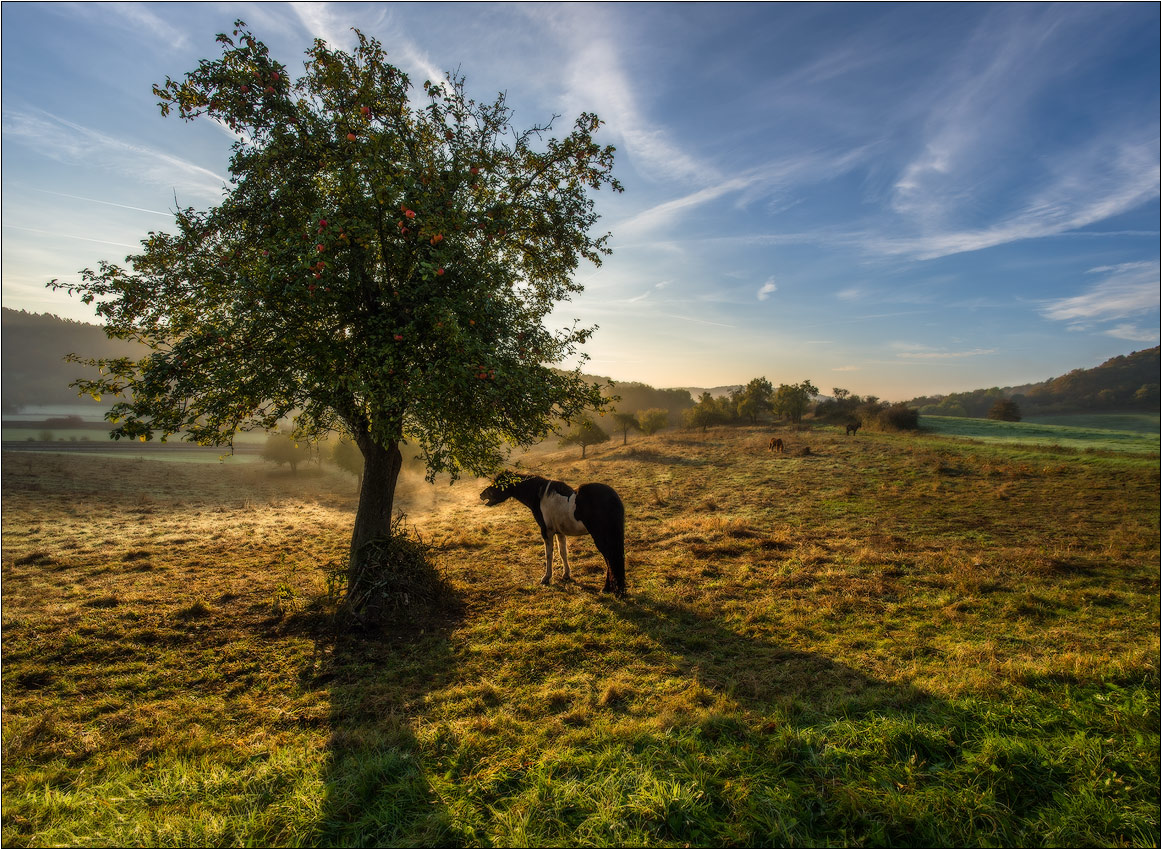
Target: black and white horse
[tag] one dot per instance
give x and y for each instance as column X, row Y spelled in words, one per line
column 561, row 512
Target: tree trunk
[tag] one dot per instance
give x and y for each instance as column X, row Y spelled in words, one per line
column 381, row 466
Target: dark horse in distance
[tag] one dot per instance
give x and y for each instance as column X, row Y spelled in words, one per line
column 561, row 511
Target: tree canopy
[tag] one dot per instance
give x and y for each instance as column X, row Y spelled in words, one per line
column 792, row 400
column 376, row 267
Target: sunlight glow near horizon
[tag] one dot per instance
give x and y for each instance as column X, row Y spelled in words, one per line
column 895, row 199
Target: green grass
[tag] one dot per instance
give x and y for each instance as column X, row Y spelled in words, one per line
column 1127, row 433
column 1143, row 423
column 892, row 640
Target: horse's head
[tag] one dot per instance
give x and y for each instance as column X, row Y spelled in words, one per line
column 500, row 488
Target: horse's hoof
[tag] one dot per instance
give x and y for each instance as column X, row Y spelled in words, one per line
column 546, row 581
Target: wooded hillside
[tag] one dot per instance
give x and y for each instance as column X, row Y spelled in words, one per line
column 34, row 348
column 1128, row 382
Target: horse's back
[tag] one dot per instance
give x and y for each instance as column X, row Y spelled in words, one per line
column 599, row 502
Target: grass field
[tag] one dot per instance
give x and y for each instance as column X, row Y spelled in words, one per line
column 892, row 639
column 1117, row 433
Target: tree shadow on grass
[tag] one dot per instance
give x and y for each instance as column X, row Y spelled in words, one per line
column 848, row 758
column 759, row 673
column 376, row 791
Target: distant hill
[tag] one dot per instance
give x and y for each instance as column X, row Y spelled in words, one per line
column 634, row 397
column 716, row 392
column 1125, row 383
column 35, row 373
column 32, row 351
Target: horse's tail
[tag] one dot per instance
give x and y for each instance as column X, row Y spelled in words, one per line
column 600, row 509
column 615, row 556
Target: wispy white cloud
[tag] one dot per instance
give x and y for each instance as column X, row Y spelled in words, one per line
column 1110, row 177
column 664, row 214
column 138, row 18
column 59, row 235
column 767, row 289
column 695, row 321
column 763, row 180
column 984, row 173
column 322, row 21
column 99, row 201
column 66, row 141
column 1134, row 333
column 916, row 351
column 657, row 287
column 596, row 79
column 1125, row 291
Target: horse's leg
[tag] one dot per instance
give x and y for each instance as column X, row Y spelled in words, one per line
column 548, row 558
column 564, row 555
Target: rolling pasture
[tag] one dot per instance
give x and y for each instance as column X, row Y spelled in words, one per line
column 891, row 639
column 1115, row 433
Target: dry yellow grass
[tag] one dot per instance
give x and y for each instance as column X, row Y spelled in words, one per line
column 799, row 626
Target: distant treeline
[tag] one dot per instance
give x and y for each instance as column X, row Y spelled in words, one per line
column 33, row 349
column 35, row 373
column 1128, row 382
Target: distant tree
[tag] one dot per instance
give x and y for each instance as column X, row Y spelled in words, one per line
column 345, row 454
column 1005, row 410
column 625, row 423
column 755, row 399
column 584, row 433
column 653, row 420
column 792, row 400
column 840, row 408
column 382, row 262
column 706, row 412
column 283, row 448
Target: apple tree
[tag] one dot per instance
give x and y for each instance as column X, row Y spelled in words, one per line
column 377, row 265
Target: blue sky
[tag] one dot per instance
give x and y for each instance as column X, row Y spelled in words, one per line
column 893, row 199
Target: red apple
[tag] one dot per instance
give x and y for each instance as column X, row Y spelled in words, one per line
column 320, row 247
column 350, row 137
column 365, row 110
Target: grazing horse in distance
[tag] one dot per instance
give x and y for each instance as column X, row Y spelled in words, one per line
column 775, row 445
column 852, row 427
column 561, row 511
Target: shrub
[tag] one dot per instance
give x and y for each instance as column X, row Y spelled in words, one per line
column 653, row 420
column 280, row 449
column 396, row 583
column 1005, row 410
column 898, row 417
